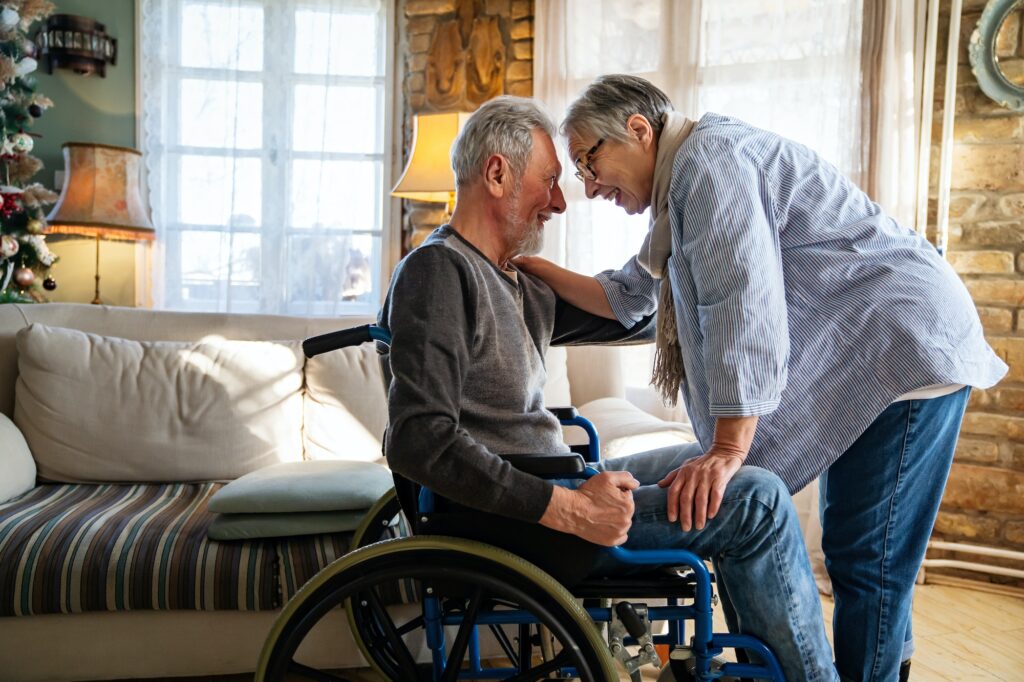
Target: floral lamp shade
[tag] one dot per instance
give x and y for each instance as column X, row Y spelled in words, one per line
column 102, row 197
column 102, row 194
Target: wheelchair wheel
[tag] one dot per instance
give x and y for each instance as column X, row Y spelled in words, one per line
column 464, row 578
column 380, row 522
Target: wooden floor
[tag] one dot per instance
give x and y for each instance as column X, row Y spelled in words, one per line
column 961, row 634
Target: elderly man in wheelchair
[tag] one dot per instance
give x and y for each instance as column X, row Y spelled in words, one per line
column 520, row 546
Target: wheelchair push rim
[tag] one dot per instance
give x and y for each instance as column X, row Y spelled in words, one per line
column 481, row 570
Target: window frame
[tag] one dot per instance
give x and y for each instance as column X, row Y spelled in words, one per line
column 153, row 281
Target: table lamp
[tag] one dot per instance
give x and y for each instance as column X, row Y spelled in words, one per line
column 101, row 197
column 428, row 176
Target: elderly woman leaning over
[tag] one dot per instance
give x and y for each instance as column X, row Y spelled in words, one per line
column 808, row 332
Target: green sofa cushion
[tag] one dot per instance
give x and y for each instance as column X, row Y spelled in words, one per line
column 308, row 486
column 254, row 526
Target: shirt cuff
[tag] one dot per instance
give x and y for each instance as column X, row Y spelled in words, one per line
column 745, row 409
column 622, row 314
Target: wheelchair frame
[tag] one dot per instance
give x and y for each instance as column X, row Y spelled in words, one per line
column 703, row 646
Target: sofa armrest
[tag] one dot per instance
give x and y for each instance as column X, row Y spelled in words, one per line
column 17, row 467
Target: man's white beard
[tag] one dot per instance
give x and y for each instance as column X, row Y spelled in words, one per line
column 526, row 238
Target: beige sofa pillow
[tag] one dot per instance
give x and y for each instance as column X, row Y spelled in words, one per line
column 345, row 407
column 102, row 409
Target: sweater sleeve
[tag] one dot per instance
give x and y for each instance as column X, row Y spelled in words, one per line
column 430, row 313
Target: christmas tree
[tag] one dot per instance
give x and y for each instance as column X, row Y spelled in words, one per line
column 24, row 256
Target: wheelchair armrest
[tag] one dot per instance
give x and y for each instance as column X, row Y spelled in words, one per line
column 562, row 413
column 547, row 465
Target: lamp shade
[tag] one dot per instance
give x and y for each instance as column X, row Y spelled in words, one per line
column 102, row 194
column 428, row 176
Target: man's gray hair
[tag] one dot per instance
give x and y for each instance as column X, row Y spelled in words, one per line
column 503, row 125
column 607, row 103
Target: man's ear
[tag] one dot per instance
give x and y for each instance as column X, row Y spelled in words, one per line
column 640, row 128
column 496, row 175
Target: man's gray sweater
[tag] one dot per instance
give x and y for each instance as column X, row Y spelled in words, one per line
column 466, row 373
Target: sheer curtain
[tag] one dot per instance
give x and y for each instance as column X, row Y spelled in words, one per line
column 265, row 128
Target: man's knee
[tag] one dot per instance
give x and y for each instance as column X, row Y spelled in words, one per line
column 761, row 485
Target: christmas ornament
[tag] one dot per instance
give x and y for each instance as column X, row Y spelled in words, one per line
column 22, row 142
column 49, row 284
column 24, row 277
column 10, row 203
column 35, row 111
column 9, row 17
column 35, row 226
column 26, row 66
column 8, row 246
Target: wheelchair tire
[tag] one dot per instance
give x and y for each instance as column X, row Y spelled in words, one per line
column 457, row 568
column 380, row 518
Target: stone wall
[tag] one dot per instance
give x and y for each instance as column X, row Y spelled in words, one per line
column 984, row 501
column 455, row 55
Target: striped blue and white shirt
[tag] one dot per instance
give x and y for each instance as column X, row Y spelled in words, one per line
column 798, row 299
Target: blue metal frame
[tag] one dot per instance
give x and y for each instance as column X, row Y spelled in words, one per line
column 705, row 644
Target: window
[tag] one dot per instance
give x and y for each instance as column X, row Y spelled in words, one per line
column 265, row 132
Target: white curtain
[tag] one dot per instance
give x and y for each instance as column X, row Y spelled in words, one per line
column 265, row 126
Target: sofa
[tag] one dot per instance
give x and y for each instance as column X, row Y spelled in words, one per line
column 129, row 420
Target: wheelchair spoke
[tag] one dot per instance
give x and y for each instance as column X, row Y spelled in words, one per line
column 405, row 659
column 414, row 624
column 458, row 651
column 541, row 671
column 504, row 643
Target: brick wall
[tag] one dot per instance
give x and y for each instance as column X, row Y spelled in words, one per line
column 984, row 501
column 457, row 54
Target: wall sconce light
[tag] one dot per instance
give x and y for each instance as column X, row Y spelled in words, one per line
column 77, row 43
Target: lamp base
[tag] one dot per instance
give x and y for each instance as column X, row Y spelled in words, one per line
column 96, row 299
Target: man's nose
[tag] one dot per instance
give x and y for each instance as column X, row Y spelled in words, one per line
column 557, row 199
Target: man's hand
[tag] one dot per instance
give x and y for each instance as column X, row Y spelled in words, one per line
column 599, row 511
column 696, row 489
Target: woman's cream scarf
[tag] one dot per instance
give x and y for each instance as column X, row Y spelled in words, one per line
column 654, row 253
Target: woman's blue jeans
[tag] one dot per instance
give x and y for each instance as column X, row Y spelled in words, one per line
column 878, row 505
column 761, row 563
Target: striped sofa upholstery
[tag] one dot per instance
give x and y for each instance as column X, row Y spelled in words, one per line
column 76, row 548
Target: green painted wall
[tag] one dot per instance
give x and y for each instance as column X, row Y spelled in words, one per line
column 91, row 109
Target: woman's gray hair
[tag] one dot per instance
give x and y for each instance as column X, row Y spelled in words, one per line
column 503, row 125
column 607, row 103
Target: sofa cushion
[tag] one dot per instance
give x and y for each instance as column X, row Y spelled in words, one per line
column 77, row 548
column 345, row 409
column 625, row 429
column 282, row 525
column 103, row 409
column 17, row 467
column 322, row 486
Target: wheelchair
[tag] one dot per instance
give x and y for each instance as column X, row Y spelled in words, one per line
column 468, row 595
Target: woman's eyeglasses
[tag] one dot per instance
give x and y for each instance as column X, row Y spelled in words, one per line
column 584, row 171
